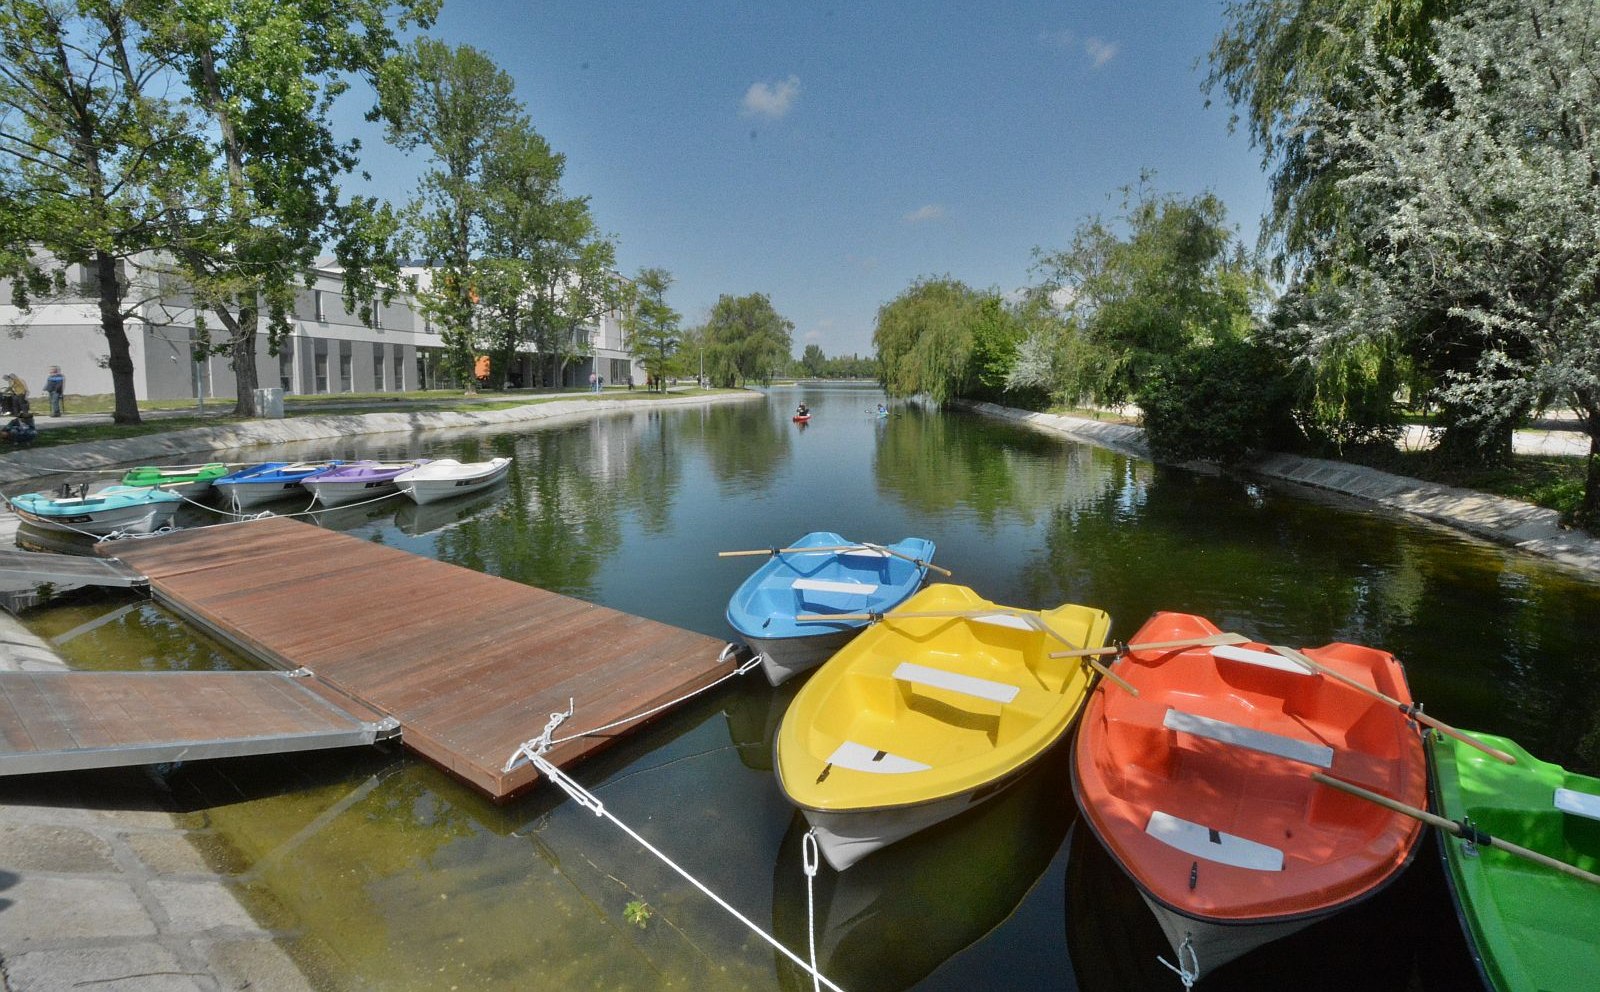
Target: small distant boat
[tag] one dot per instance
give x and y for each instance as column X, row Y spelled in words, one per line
column 1530, row 927
column 922, row 718
column 1200, row 786
column 443, row 478
column 354, row 481
column 268, row 481
column 185, row 480
column 818, row 574
column 802, row 418
column 128, row 509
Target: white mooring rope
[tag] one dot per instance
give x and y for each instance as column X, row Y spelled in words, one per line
column 589, row 801
column 1188, row 967
column 809, row 858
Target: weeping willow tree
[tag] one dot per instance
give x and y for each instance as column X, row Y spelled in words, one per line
column 943, row 339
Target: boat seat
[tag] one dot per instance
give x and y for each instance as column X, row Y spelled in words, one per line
column 1578, row 803
column 1212, row 844
column 968, row 685
column 823, row 585
column 1261, row 659
column 1319, row 755
column 861, row 758
column 1003, row 620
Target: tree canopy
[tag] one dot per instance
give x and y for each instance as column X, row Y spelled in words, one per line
column 746, row 340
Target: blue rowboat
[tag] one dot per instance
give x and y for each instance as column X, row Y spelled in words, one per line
column 356, row 481
column 268, row 481
column 818, row 574
column 128, row 509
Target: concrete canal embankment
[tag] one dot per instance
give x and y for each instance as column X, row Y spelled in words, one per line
column 1505, row 521
column 99, row 894
column 31, row 463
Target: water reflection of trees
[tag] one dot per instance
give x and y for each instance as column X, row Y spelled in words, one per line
column 938, row 464
column 743, row 445
column 1489, row 637
column 568, row 494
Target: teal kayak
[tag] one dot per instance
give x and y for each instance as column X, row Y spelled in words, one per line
column 1531, row 928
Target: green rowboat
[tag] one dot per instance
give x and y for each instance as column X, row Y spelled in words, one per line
column 186, row 480
column 1531, row 929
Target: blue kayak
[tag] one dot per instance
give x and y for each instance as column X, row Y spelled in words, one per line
column 840, row 576
column 267, row 481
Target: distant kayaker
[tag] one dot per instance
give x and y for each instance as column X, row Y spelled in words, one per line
column 802, row 411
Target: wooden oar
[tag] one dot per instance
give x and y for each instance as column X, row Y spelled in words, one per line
column 1472, row 834
column 863, row 546
column 1030, row 619
column 1415, row 713
column 1209, row 640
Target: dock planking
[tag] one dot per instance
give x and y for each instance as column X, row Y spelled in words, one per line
column 470, row 665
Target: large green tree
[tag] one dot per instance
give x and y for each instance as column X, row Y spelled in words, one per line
column 84, row 154
column 651, row 325
column 1275, row 60
column 1490, row 214
column 262, row 80
column 746, row 340
column 1168, row 274
column 943, row 339
column 458, row 106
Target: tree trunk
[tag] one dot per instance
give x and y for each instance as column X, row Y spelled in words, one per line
column 243, row 360
column 114, row 326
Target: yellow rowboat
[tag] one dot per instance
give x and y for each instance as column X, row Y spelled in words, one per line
column 923, row 717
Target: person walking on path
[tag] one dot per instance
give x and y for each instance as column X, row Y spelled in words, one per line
column 55, row 385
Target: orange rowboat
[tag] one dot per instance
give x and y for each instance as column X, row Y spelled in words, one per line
column 1200, row 786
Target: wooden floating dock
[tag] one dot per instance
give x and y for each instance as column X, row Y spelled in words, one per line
column 469, row 665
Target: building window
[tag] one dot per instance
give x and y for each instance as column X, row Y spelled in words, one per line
column 377, row 314
column 399, row 383
column 319, row 305
column 346, row 380
column 377, row 366
column 286, row 367
column 320, row 364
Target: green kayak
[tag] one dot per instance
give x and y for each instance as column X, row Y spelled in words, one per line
column 1531, row 928
column 186, row 480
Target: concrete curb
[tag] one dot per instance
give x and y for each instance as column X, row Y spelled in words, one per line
column 31, row 463
column 1504, row 521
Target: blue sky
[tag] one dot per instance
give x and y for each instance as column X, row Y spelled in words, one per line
column 829, row 155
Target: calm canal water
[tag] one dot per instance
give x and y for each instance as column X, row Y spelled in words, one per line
column 389, row 875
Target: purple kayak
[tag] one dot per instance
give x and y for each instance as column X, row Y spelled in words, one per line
column 355, row 481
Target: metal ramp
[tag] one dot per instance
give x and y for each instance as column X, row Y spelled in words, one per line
column 63, row 721
column 23, row 572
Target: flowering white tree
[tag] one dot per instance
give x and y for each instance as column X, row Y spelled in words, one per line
column 1486, row 214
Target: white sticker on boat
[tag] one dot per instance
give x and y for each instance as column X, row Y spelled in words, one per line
column 1212, row 845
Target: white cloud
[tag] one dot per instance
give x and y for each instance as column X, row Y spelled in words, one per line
column 770, row 100
column 923, row 214
column 1100, row 51
column 1097, row 50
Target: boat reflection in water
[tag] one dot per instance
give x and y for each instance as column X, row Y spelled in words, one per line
column 902, row 912
column 417, row 519
column 1403, row 938
column 754, row 712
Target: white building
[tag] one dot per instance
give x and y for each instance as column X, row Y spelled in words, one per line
column 328, row 351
